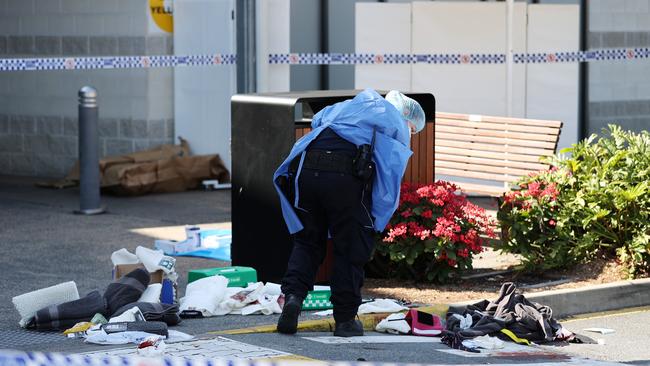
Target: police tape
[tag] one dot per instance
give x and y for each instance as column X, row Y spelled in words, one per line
column 114, row 62
column 457, row 58
column 130, row 62
column 17, row 358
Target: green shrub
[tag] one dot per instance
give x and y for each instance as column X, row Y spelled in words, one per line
column 433, row 233
column 602, row 205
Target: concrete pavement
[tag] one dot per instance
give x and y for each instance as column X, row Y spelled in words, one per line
column 45, row 244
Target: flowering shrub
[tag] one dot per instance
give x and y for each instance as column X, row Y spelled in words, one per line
column 531, row 222
column 597, row 201
column 433, row 233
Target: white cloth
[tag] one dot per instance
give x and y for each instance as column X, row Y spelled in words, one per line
column 375, row 306
column 394, row 324
column 465, row 321
column 485, row 342
column 272, row 289
column 205, row 295
column 155, row 260
column 381, row 306
column 130, row 315
column 151, row 293
column 101, row 337
column 123, row 256
column 29, row 303
column 265, row 304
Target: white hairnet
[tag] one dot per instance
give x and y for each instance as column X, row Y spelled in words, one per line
column 410, row 110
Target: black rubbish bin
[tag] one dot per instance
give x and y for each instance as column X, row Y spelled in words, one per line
column 264, row 129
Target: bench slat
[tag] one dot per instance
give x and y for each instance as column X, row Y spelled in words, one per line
column 482, row 168
column 481, row 188
column 494, row 119
column 552, row 131
column 496, row 133
column 477, row 175
column 485, row 154
column 488, row 147
column 494, row 140
column 529, row 166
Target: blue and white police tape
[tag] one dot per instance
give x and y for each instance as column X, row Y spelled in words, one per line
column 17, row 358
column 457, row 58
column 124, row 62
column 113, row 62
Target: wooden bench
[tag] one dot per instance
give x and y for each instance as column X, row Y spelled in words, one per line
column 491, row 152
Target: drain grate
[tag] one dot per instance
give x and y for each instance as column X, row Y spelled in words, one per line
column 15, row 338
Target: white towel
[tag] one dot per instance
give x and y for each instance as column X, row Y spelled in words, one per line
column 394, row 324
column 123, row 256
column 266, row 304
column 28, row 304
column 155, row 260
column 204, row 295
column 151, row 293
column 381, row 306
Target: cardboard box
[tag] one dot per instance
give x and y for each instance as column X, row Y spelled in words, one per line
column 173, row 247
column 122, row 269
column 237, row 276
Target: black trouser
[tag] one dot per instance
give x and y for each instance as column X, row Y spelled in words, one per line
column 334, row 202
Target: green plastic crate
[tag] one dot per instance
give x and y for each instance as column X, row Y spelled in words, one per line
column 317, row 300
column 237, row 276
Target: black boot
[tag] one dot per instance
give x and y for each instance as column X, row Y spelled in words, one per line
column 350, row 328
column 288, row 322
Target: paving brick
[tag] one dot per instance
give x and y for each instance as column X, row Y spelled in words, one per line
column 22, row 125
column 23, row 165
column 48, row 166
column 169, row 128
column 70, row 126
column 20, row 45
column 49, row 125
column 11, row 143
column 156, row 45
column 47, row 45
column 75, row 45
column 118, row 147
column 37, row 144
column 4, row 124
column 133, row 128
column 131, row 46
column 108, row 127
column 595, row 40
column 5, row 164
column 103, row 46
column 156, row 129
column 49, row 6
column 613, row 39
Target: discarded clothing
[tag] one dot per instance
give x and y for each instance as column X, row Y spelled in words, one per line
column 510, row 311
column 29, row 303
column 375, row 306
column 454, row 341
column 394, row 324
column 204, row 295
column 152, row 293
column 66, row 315
column 167, row 313
column 126, row 290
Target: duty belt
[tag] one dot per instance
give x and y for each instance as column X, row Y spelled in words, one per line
column 324, row 160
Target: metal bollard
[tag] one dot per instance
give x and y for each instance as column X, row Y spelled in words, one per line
column 88, row 155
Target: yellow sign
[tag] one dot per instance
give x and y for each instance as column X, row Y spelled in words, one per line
column 162, row 13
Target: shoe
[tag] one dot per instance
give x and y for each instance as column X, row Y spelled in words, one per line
column 350, row 328
column 288, row 322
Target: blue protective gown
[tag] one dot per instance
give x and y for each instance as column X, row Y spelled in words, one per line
column 354, row 120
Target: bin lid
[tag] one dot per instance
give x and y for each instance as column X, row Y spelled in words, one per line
column 319, row 99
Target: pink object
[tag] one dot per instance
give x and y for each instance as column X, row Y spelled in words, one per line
column 424, row 324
